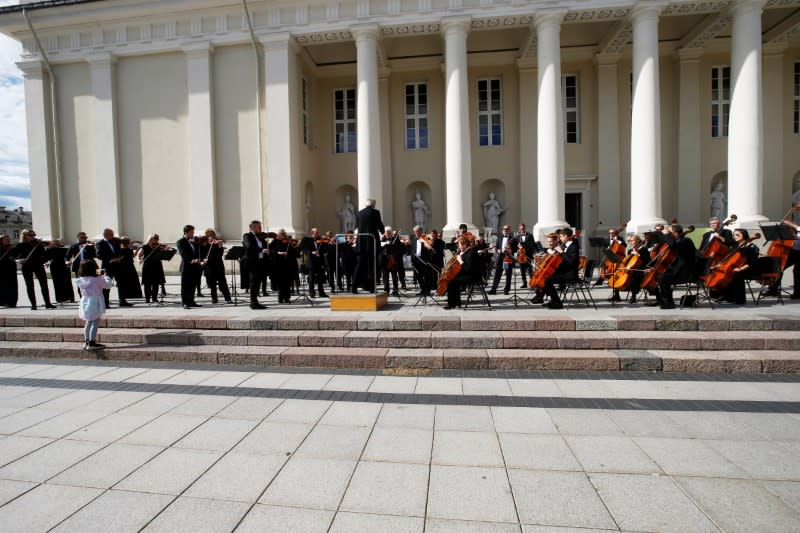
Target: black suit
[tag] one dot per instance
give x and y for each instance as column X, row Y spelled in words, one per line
column 527, row 242
column 190, row 269
column 471, row 272
column 726, row 234
column 566, row 271
column 75, row 250
column 105, row 253
column 35, row 257
column 316, row 263
column 681, row 270
column 368, row 222
column 503, row 243
column 254, row 262
column 391, row 247
column 422, row 264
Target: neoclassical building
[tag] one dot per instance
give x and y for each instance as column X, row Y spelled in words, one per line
column 146, row 115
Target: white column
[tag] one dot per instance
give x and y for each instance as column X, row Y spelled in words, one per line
column 692, row 202
column 201, row 135
column 457, row 161
column 745, row 127
column 645, row 121
column 367, row 113
column 385, row 195
column 527, row 141
column 608, row 163
column 777, row 189
column 550, row 124
column 104, row 130
column 284, row 192
column 43, row 194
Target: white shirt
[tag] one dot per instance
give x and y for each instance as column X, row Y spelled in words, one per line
column 419, row 247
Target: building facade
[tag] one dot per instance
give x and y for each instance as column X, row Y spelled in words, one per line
column 593, row 114
column 13, row 221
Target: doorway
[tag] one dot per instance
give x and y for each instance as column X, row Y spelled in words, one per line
column 573, row 205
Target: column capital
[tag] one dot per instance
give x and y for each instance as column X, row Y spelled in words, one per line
column 452, row 25
column 197, row 49
column 743, row 6
column 276, row 41
column 647, row 10
column 549, row 18
column 360, row 32
column 604, row 59
column 689, row 55
column 100, row 59
column 32, row 69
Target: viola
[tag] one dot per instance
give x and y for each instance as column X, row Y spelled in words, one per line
column 715, row 247
column 663, row 261
column 721, row 274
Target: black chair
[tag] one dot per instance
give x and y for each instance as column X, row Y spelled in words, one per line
column 479, row 285
column 580, row 288
column 768, row 275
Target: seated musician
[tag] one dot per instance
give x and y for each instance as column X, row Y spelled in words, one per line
column 505, row 249
column 680, row 271
column 470, row 273
column 613, row 237
column 421, row 251
column 391, row 259
column 716, row 232
column 567, row 270
column 552, row 242
column 735, row 292
column 794, row 254
column 636, row 247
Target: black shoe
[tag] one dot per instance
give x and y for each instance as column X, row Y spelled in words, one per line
column 187, row 306
column 257, row 305
column 523, row 286
column 354, row 291
column 323, row 295
column 95, row 345
column 124, row 303
column 448, row 307
column 537, row 301
column 655, row 303
column 555, row 305
column 506, row 291
column 615, row 298
column 214, row 300
column 598, row 282
column 49, row 306
column 200, row 294
column 147, row 300
column 228, row 301
column 395, row 293
column 33, row 307
column 493, row 291
column 668, row 306
column 632, row 300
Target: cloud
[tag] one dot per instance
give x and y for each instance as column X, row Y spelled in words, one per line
column 14, row 171
column 12, row 202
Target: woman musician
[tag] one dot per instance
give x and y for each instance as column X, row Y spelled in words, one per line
column 470, row 272
column 636, row 254
column 127, row 278
column 152, row 269
column 8, row 273
column 31, row 255
column 284, row 253
column 212, row 254
column 735, row 292
column 59, row 272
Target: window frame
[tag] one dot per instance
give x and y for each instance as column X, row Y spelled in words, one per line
column 417, row 116
column 576, row 109
column 346, row 122
column 490, row 113
column 720, row 129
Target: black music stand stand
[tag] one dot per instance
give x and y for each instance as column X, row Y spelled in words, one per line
column 423, row 299
column 302, row 288
column 234, row 254
column 777, row 232
column 513, row 298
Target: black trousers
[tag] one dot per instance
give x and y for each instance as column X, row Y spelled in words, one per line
column 552, row 281
column 189, row 283
column 255, row 274
column 151, row 290
column 525, row 270
column 385, row 274
column 498, row 272
column 364, row 274
column 216, row 279
column 41, row 275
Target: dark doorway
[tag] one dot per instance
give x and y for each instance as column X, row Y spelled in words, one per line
column 573, row 211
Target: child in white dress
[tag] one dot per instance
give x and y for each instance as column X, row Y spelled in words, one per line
column 92, row 306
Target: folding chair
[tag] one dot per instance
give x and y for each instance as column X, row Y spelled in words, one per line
column 477, row 284
column 768, row 270
column 580, row 287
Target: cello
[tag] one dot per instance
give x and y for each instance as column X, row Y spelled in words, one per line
column 617, row 248
column 715, row 247
column 720, row 275
column 622, row 277
column 451, row 269
column 662, row 262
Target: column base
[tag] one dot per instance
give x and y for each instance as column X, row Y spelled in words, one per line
column 749, row 222
column 639, row 227
column 541, row 229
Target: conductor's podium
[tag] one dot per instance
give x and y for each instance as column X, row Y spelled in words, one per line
column 359, row 302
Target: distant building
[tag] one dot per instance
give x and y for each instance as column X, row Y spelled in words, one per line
column 13, row 221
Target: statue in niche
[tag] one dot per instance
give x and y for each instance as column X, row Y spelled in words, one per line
column 719, row 202
column 348, row 214
column 421, row 211
column 491, row 212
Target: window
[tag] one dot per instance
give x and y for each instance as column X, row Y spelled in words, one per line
column 720, row 100
column 306, row 128
column 569, row 97
column 344, row 106
column 416, row 116
column 490, row 112
column 796, row 114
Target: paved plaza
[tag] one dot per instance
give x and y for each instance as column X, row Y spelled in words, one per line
column 101, row 446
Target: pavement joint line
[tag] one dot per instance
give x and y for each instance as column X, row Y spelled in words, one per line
column 626, row 404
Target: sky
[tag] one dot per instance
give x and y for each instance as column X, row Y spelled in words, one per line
column 15, row 188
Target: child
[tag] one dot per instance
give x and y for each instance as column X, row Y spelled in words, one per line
column 92, row 306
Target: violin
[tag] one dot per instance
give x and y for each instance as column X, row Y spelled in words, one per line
column 721, row 274
column 715, row 247
column 663, row 261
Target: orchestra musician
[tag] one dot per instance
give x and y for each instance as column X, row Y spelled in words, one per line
column 421, row 249
column 59, row 272
column 680, row 271
column 152, row 268
column 525, row 240
column 127, row 277
column 330, row 259
column 32, row 256
column 551, row 240
column 368, row 222
column 83, row 250
column 437, row 251
column 470, row 272
column 717, row 232
column 214, row 270
column 8, row 273
column 505, row 249
column 484, row 252
column 256, row 253
column 567, row 270
column 613, row 237
column 284, row 263
column 735, row 292
column 315, row 249
column 108, row 252
column 391, row 259
column 189, row 250
column 635, row 247
column 347, row 260
column 794, row 253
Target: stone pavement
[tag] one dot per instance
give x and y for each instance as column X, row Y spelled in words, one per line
column 115, row 446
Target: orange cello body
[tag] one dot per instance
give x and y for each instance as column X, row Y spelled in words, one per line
column 607, row 268
column 720, row 275
column 715, row 247
column 449, row 273
column 664, row 259
column 544, row 270
column 623, row 276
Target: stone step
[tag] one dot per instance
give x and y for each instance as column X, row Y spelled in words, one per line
column 525, row 340
column 526, row 319
column 744, row 361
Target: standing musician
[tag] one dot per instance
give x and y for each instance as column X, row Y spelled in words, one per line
column 505, row 249
column 81, row 251
column 212, row 254
column 717, row 232
column 108, row 252
column 8, row 273
column 255, row 258
column 330, row 259
column 420, row 248
column 453, row 244
column 550, row 249
column 284, row 264
column 368, row 222
column 484, row 252
column 391, row 259
column 152, row 268
column 526, row 241
column 437, row 250
column 638, row 248
column 470, row 272
column 189, row 250
column 347, row 260
column 680, row 271
column 32, row 256
column 794, row 253
column 127, row 277
column 735, row 292
column 59, row 272
column 567, row 270
column 315, row 250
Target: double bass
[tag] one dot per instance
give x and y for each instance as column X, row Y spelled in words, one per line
column 662, row 262
column 720, row 275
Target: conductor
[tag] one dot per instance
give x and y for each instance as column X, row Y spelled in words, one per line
column 368, row 222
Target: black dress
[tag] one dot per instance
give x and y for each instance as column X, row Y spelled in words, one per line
column 127, row 278
column 8, row 277
column 215, row 271
column 152, row 272
column 59, row 272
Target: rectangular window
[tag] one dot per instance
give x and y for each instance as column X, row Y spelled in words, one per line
column 306, row 129
column 720, row 100
column 416, row 116
column 569, row 97
column 490, row 112
column 344, row 120
column 796, row 98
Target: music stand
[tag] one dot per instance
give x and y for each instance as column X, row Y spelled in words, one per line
column 234, row 254
column 600, row 242
column 513, row 298
column 777, row 232
column 423, row 299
